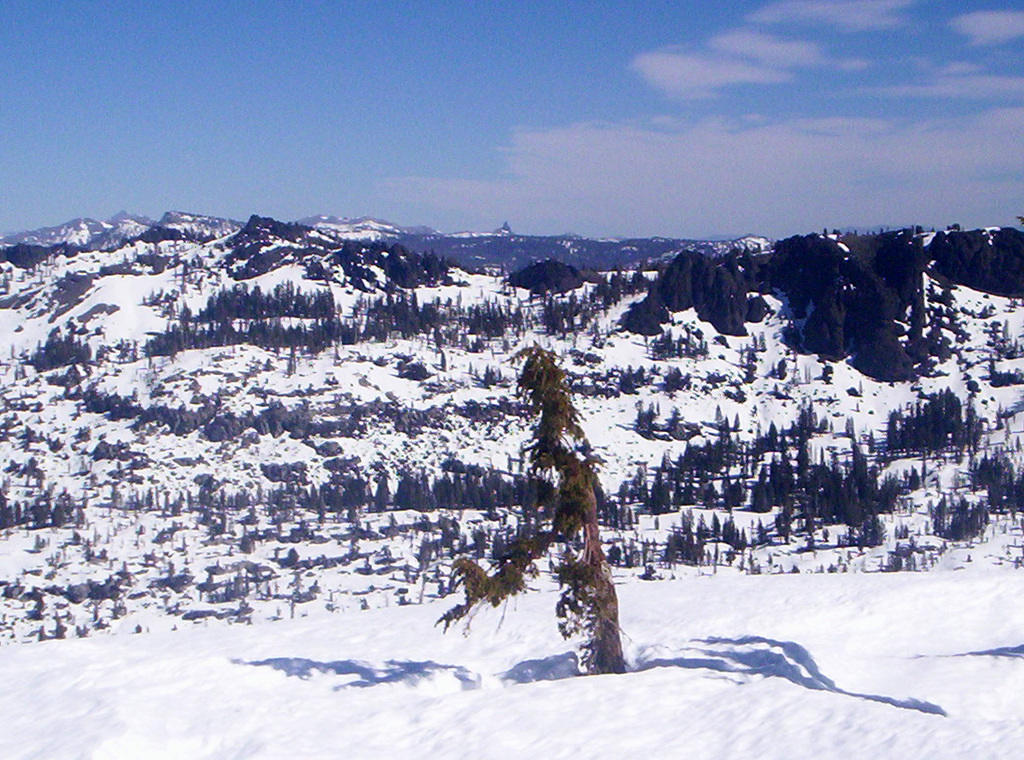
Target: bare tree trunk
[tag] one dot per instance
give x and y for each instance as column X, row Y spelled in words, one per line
column 606, row 644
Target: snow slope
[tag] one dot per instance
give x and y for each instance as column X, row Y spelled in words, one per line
column 798, row 666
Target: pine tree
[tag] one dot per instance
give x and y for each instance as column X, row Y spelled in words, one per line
column 566, row 479
column 382, row 496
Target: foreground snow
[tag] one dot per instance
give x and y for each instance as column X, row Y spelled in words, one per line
column 859, row 665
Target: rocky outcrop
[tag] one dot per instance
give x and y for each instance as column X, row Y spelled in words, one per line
column 852, row 298
column 988, row 260
column 716, row 288
column 548, row 276
column 861, row 298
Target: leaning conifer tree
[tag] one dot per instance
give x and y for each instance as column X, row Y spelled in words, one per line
column 566, row 507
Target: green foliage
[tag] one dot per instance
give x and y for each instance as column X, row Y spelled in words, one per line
column 578, row 604
column 542, row 385
column 507, row 580
column 588, row 605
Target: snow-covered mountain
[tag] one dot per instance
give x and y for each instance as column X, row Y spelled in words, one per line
column 278, row 398
column 93, row 234
column 747, row 243
column 198, row 226
column 257, row 422
column 501, row 248
column 84, row 233
column 362, row 228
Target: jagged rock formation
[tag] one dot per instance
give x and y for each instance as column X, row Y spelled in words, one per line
column 716, row 288
column 860, row 297
column 988, row 260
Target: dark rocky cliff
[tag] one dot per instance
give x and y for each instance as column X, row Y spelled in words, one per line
column 859, row 297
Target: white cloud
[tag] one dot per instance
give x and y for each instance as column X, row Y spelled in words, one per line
column 990, row 27
column 962, row 82
column 739, row 56
column 718, row 176
column 959, row 68
column 698, row 75
column 852, row 15
column 853, row 64
column 767, row 49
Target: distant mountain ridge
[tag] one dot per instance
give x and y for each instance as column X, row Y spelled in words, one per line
column 199, row 226
column 85, row 231
column 501, row 248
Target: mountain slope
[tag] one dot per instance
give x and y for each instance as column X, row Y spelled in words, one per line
column 279, row 420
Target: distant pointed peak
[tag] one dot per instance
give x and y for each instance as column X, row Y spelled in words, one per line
column 504, row 229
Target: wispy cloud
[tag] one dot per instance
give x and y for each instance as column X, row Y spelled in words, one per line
column 852, row 15
column 739, row 56
column 767, row 49
column 773, row 171
column 958, row 68
column 680, row 73
column 715, row 175
column 990, row 27
column 961, row 81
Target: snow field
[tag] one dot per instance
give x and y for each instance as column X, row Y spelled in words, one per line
column 805, row 666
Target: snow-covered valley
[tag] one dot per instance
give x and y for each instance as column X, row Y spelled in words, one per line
column 237, row 467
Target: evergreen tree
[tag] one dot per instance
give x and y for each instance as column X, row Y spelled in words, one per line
column 566, row 479
column 382, row 496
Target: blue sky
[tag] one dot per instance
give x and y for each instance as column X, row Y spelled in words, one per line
column 602, row 118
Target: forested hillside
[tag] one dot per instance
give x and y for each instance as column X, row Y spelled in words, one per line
column 234, row 423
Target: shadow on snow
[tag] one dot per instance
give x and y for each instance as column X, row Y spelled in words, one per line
column 756, row 655
column 409, row 672
column 553, row 668
column 1017, row 651
column 748, row 655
